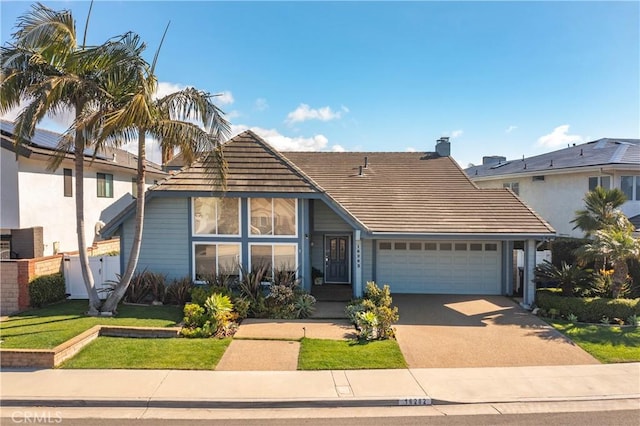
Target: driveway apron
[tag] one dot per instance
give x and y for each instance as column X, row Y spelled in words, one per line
column 442, row 331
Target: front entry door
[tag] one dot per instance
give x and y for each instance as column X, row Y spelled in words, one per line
column 337, row 258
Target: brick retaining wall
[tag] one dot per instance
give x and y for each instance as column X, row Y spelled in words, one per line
column 50, row 358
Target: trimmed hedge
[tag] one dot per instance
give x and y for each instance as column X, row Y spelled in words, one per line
column 587, row 309
column 46, row 289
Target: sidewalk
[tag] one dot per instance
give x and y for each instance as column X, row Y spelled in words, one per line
column 283, row 389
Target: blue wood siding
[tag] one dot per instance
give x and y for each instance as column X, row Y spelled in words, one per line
column 325, row 220
column 367, row 261
column 165, row 237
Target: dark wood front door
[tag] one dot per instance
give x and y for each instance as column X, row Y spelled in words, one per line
column 337, row 259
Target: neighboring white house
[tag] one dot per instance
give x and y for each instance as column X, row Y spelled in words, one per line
column 33, row 196
column 555, row 184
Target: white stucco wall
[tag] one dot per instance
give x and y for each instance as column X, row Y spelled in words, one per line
column 9, row 217
column 42, row 202
column 559, row 196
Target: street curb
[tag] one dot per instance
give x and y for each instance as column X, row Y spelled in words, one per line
column 290, row 403
column 168, row 403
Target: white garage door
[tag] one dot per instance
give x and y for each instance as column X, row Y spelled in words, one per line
column 454, row 267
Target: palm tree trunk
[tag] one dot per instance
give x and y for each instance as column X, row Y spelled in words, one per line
column 87, row 276
column 118, row 293
column 620, row 273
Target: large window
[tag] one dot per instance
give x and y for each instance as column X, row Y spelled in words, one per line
column 68, row 182
column 213, row 259
column 630, row 185
column 105, row 185
column 273, row 216
column 274, row 256
column 603, row 181
column 216, row 216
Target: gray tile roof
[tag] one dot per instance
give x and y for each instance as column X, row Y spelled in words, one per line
column 601, row 152
column 45, row 142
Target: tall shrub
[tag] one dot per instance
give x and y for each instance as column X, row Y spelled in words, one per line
column 46, row 289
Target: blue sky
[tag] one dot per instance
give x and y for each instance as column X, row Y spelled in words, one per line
column 499, row 78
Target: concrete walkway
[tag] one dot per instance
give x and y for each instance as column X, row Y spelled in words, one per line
column 256, row 389
column 273, row 345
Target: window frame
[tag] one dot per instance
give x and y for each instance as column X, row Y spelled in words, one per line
column 273, row 219
column 295, row 245
column 104, row 184
column 67, row 177
column 513, row 186
column 635, row 187
column 194, row 272
column 598, row 182
column 193, row 217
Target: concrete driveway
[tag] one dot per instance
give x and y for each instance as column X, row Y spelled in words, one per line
column 442, row 331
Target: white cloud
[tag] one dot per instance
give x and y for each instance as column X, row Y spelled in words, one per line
column 281, row 142
column 224, row 98
column 232, row 114
column 304, row 112
column 457, row 133
column 510, row 129
column 559, row 137
column 165, row 88
column 261, row 104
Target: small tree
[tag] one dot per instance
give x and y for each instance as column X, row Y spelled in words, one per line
column 567, row 277
column 615, row 246
column 601, row 210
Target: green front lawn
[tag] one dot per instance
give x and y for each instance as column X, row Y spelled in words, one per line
column 170, row 353
column 320, row 354
column 609, row 344
column 50, row 326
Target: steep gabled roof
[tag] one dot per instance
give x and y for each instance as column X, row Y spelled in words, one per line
column 416, row 193
column 602, row 152
column 253, row 166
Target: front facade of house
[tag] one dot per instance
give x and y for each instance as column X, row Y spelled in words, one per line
column 413, row 221
column 555, row 183
column 33, row 196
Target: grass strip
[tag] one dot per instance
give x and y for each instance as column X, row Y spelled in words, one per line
column 170, row 353
column 322, row 354
column 608, row 344
column 50, row 326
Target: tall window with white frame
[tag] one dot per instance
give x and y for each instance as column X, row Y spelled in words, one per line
column 214, row 259
column 630, row 186
column 273, row 216
column 602, row 181
column 216, row 216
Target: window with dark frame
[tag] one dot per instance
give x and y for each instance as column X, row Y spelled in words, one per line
column 105, row 185
column 68, row 182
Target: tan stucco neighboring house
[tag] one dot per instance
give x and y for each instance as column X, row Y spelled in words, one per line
column 414, row 221
column 32, row 197
column 554, row 184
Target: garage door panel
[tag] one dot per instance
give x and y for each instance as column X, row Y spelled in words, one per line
column 442, row 270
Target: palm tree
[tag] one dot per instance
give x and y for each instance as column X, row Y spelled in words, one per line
column 615, row 246
column 567, row 277
column 135, row 114
column 601, row 210
column 46, row 66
